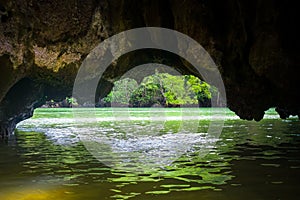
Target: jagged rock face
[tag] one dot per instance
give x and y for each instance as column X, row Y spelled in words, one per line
column 254, row 43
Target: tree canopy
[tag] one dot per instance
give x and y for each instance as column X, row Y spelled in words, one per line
column 161, row 89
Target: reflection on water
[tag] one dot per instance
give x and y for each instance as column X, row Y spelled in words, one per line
column 250, row 160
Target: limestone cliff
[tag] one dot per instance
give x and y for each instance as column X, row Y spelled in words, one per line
column 254, row 43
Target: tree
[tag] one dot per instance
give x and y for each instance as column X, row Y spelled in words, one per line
column 121, row 92
column 163, row 89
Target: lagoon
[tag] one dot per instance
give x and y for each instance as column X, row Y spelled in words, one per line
column 150, row 153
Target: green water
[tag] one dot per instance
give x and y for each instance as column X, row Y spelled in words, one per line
column 154, row 155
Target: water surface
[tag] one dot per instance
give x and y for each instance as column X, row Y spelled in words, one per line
column 47, row 159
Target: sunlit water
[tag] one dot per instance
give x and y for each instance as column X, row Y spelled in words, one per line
column 152, row 156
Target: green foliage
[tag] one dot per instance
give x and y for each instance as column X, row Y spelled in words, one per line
column 71, row 100
column 122, row 91
column 108, row 98
column 201, row 89
column 146, row 95
column 164, row 89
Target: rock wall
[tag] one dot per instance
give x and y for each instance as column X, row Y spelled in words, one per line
column 254, row 43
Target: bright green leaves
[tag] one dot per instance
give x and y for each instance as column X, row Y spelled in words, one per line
column 162, row 89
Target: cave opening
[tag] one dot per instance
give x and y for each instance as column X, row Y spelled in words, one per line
column 140, row 129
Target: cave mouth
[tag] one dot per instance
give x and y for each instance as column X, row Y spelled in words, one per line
column 155, row 84
column 41, row 86
column 151, row 85
column 45, row 85
column 255, row 45
column 138, row 64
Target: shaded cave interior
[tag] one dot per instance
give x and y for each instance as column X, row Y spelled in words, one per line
column 33, row 91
